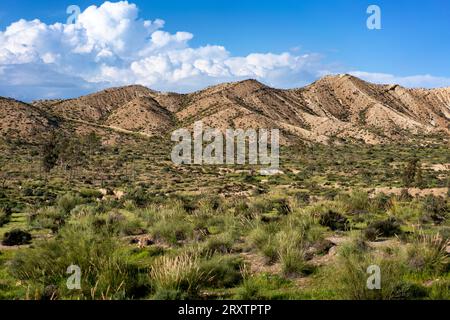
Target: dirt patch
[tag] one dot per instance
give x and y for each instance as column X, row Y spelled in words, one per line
column 439, row 167
column 415, row 192
column 258, row 264
column 10, row 248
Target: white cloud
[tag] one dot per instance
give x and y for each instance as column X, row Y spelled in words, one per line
column 111, row 45
column 424, row 81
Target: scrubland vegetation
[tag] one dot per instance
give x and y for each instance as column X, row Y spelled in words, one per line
column 141, row 228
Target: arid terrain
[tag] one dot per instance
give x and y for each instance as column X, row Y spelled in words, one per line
column 336, row 108
column 364, row 180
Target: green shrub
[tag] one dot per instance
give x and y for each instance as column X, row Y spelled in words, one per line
column 169, row 294
column 16, row 237
column 139, row 196
column 241, row 208
column 348, row 276
column 303, row 197
column 106, row 271
column 371, row 234
column 440, row 290
column 381, row 202
column 406, row 210
column 334, row 221
column 224, row 271
column 271, row 250
column 436, row 208
column 264, row 287
column 51, row 218
column 5, row 217
column 291, row 252
column 131, row 228
column 210, row 204
column 357, row 202
column 222, row 243
column 428, row 255
column 90, row 193
column 260, row 206
column 68, row 202
column 180, row 273
column 172, row 230
column 282, row 206
column 84, row 210
column 385, row 228
column 258, row 236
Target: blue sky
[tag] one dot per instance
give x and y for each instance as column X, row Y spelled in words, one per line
column 412, row 47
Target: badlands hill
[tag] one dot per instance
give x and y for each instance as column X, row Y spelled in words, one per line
column 342, row 108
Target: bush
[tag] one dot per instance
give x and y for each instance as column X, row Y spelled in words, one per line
column 84, row 210
column 180, row 273
column 347, row 278
column 428, row 254
column 303, row 197
column 90, row 194
column 68, row 202
column 51, row 218
column 221, row 244
column 357, row 202
column 334, row 221
column 283, row 207
column 16, row 237
column 435, row 208
column 224, row 271
column 172, row 230
column 107, row 272
column 381, row 202
column 170, row 294
column 371, row 234
column 5, row 217
column 139, row 196
column 440, row 290
column 131, row 228
column 260, row 206
column 384, row 228
column 241, row 208
column 291, row 253
column 263, row 287
column 271, row 250
column 259, row 236
column 406, row 210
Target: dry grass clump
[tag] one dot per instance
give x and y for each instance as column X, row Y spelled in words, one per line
column 182, row 273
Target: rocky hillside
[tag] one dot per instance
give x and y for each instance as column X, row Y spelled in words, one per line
column 339, row 108
column 21, row 121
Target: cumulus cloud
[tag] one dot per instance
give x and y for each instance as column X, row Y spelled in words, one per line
column 425, row 81
column 111, row 45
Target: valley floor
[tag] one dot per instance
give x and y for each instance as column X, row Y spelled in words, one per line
column 139, row 227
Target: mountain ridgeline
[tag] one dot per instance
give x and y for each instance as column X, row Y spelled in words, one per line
column 333, row 109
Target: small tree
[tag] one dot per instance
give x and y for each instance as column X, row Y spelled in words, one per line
column 49, row 155
column 92, row 142
column 71, row 155
column 420, row 183
column 409, row 174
